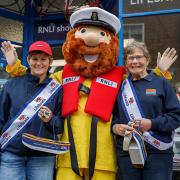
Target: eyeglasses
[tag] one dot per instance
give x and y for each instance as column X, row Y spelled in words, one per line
column 138, row 57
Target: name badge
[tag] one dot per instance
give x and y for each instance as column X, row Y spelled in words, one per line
column 151, row 92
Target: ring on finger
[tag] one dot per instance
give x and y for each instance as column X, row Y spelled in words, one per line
column 47, row 113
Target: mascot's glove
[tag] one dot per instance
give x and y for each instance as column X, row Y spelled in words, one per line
column 165, row 61
column 9, row 52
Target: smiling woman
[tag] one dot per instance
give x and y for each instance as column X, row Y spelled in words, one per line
column 29, row 104
column 39, row 63
column 151, row 101
column 136, row 58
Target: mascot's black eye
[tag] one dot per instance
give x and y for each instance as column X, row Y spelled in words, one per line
column 102, row 33
column 83, row 30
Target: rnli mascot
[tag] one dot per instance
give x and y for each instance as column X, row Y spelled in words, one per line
column 90, row 82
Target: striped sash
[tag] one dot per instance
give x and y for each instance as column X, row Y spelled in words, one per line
column 133, row 111
column 28, row 113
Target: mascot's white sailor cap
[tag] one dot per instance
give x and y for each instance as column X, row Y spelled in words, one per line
column 95, row 16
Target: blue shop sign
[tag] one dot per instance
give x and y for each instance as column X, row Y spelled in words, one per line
column 135, row 6
column 48, row 31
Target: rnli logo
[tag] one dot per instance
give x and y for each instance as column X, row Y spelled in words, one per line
column 52, row 84
column 156, row 143
column 70, row 79
column 38, row 99
column 106, row 82
column 22, row 117
column 130, row 100
column 5, row 135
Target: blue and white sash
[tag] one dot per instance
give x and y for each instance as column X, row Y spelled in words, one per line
column 28, row 113
column 134, row 111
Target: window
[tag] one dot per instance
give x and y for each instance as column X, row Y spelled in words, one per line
column 11, row 30
column 134, row 31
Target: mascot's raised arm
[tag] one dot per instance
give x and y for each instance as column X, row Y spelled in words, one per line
column 91, row 81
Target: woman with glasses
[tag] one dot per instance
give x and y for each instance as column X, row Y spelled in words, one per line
column 147, row 105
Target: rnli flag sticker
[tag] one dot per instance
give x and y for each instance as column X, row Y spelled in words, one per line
column 151, row 92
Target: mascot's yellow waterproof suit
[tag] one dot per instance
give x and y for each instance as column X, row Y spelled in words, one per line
column 90, row 82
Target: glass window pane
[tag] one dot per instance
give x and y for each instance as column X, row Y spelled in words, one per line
column 135, row 31
column 11, row 30
column 14, row 6
column 58, row 59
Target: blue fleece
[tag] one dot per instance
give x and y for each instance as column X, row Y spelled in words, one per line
column 15, row 94
column 161, row 106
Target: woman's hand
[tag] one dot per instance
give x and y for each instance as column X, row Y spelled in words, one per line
column 9, row 52
column 165, row 61
column 120, row 129
column 143, row 124
column 45, row 114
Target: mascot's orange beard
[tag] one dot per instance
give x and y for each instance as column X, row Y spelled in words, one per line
column 75, row 49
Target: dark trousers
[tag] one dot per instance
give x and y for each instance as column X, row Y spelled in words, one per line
column 157, row 167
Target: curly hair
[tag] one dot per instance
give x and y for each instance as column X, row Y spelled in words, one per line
column 74, row 50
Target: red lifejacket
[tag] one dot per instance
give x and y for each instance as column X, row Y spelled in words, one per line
column 103, row 92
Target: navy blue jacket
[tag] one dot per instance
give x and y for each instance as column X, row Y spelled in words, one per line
column 162, row 107
column 15, row 94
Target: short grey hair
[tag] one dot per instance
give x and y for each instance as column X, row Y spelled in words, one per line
column 129, row 49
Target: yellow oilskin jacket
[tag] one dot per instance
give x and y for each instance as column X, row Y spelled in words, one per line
column 81, row 126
